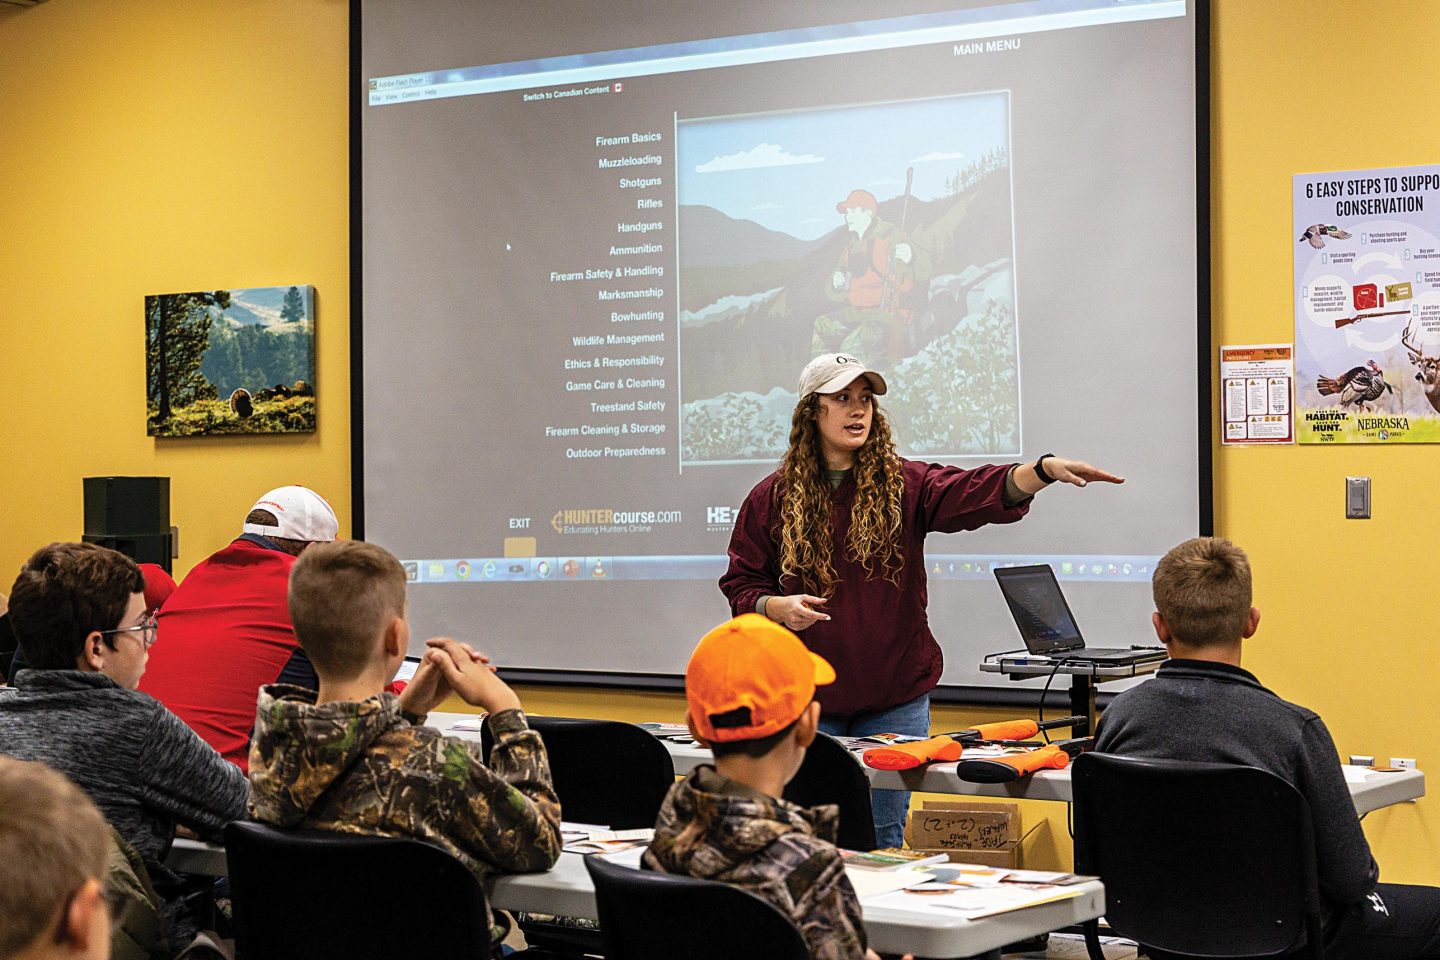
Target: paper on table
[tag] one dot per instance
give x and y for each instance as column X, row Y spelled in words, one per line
column 573, row 832
column 472, row 726
column 872, row 883
column 1355, row 774
column 626, row 858
column 974, row 902
column 604, row 840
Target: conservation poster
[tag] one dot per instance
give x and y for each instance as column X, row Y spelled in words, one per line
column 1367, row 306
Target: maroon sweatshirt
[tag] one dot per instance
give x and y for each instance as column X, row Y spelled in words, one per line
column 878, row 638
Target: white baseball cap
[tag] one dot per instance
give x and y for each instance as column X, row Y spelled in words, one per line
column 302, row 514
column 833, row 372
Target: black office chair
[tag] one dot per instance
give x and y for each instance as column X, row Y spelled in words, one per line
column 656, row 916
column 832, row 774
column 1198, row 859
column 8, row 647
column 312, row 893
column 605, row 771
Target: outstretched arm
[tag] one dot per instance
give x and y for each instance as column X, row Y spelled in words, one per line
column 1077, row 472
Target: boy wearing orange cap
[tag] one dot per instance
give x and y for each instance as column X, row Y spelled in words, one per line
column 750, row 689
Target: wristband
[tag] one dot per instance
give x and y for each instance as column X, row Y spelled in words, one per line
column 1045, row 478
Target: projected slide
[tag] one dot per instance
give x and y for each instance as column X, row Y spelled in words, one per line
column 897, row 249
column 600, row 242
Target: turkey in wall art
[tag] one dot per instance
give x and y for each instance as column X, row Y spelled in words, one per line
column 239, row 361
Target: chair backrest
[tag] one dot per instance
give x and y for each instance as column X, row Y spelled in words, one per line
column 831, row 774
column 311, row 893
column 656, row 916
column 1200, row 859
column 605, row 771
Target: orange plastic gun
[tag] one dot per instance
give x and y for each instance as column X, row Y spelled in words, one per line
column 907, row 756
column 1012, row 766
column 1003, row 730
column 1006, row 731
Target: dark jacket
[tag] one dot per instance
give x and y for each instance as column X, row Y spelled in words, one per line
column 360, row 767
column 713, row 828
column 1212, row 712
column 144, row 769
column 878, row 638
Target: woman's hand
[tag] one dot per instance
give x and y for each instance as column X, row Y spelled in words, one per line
column 796, row 611
column 1077, row 472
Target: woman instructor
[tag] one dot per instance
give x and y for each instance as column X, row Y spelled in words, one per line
column 832, row 543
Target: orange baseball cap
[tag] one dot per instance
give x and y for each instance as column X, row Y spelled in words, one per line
column 749, row 678
column 858, row 198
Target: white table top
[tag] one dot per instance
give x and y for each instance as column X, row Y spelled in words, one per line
column 566, row 890
column 1370, row 790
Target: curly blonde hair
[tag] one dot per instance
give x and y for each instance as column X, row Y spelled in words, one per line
column 802, row 497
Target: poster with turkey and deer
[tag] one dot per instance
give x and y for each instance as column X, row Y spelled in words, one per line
column 1367, row 306
column 230, row 361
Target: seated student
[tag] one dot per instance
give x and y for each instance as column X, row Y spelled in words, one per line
column 54, row 847
column 750, row 693
column 158, row 587
column 1202, row 706
column 78, row 610
column 227, row 629
column 357, row 759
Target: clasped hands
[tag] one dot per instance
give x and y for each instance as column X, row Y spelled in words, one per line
column 449, row 666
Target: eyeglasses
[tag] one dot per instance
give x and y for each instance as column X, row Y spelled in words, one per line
column 145, row 630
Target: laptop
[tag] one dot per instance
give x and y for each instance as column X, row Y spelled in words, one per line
column 1047, row 625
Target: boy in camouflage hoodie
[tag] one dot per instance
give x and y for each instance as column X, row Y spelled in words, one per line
column 750, row 689
column 351, row 757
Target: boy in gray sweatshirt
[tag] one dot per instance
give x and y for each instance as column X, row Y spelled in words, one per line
column 79, row 613
column 1202, row 706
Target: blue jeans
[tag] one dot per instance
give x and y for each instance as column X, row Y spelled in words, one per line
column 888, row 806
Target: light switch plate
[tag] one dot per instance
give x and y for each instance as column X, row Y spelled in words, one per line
column 1357, row 498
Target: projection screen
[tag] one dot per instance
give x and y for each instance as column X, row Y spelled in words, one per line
column 598, row 241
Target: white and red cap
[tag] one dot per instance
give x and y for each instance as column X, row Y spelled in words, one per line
column 302, row 514
column 833, row 372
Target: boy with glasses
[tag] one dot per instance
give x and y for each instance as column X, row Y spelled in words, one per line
column 53, row 852
column 78, row 610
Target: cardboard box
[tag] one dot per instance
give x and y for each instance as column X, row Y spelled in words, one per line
column 968, row 832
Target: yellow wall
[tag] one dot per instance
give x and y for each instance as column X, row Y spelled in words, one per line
column 183, row 144
column 159, row 148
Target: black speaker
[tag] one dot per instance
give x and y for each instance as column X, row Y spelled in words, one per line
column 142, row 548
column 130, row 514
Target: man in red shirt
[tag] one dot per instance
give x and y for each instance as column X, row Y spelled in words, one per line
column 225, row 631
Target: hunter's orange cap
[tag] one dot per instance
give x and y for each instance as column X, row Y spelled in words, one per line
column 750, row 678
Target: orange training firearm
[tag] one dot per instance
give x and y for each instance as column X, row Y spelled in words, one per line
column 1012, row 766
column 906, row 756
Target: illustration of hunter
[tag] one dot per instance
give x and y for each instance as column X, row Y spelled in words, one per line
column 876, row 275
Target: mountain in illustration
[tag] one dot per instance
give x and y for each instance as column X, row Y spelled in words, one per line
column 709, row 238
column 760, row 316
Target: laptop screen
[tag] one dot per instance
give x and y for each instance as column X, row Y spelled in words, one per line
column 1039, row 608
